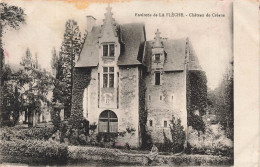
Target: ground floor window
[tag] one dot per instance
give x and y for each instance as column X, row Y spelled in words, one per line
column 108, row 122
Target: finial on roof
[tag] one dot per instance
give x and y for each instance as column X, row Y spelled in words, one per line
column 108, row 16
column 158, row 40
column 109, row 20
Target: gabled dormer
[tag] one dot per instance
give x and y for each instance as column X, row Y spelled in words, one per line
column 108, row 71
column 109, row 38
column 158, row 53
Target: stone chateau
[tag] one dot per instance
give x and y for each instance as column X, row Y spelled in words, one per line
column 121, row 79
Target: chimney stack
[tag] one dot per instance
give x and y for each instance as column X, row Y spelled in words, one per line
column 90, row 23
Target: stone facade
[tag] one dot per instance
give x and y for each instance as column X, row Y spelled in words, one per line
column 122, row 81
column 165, row 100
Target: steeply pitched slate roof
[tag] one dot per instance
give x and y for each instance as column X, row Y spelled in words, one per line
column 132, row 36
column 193, row 61
column 175, row 55
column 175, row 58
column 89, row 53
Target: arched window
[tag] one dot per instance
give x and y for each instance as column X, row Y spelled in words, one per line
column 108, row 122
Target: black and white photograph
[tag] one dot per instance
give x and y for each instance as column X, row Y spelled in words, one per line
column 117, row 83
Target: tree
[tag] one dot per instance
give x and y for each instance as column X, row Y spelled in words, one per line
column 34, row 85
column 222, row 102
column 70, row 49
column 178, row 137
column 59, row 87
column 11, row 95
column 196, row 99
column 11, row 16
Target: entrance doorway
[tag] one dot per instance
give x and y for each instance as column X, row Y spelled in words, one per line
column 108, row 122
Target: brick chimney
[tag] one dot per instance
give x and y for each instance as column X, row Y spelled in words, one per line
column 90, row 23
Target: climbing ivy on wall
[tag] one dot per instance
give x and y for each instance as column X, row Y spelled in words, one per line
column 196, row 98
column 145, row 136
column 81, row 79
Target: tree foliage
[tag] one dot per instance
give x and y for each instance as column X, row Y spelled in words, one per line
column 12, row 102
column 27, row 88
column 11, row 16
column 178, row 137
column 222, row 102
column 178, row 134
column 70, row 49
column 196, row 99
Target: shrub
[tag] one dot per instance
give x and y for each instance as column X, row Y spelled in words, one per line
column 178, row 138
column 76, row 152
column 147, row 141
column 198, row 160
column 212, row 142
column 34, row 148
column 75, row 136
column 43, row 133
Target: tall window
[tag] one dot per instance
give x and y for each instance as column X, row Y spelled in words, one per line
column 109, row 50
column 157, row 78
column 157, row 57
column 108, row 77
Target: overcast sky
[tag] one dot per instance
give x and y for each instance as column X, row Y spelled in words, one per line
column 211, row 36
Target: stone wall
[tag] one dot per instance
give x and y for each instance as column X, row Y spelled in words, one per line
column 129, row 102
column 165, row 100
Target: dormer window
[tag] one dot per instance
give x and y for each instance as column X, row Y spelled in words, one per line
column 157, row 57
column 109, row 50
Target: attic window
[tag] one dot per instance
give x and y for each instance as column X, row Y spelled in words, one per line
column 157, row 57
column 109, row 50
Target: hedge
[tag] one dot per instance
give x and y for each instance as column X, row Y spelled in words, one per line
column 34, row 148
column 76, row 152
column 42, row 133
column 52, row 151
column 79, row 154
column 194, row 160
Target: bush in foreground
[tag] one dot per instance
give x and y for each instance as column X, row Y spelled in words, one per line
column 212, row 142
column 34, row 133
column 176, row 144
column 34, row 148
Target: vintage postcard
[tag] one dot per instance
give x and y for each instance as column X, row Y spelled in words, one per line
column 129, row 83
